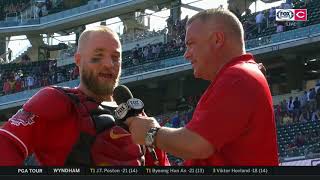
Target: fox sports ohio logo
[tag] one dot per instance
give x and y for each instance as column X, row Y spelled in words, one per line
column 291, row 14
column 284, row 15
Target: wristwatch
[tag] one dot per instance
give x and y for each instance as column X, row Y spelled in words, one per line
column 151, row 136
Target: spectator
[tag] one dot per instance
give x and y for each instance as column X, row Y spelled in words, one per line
column 286, row 5
column 12, row 83
column 300, row 140
column 53, row 77
column 9, row 54
column 296, row 108
column 280, row 26
column 289, row 1
column 290, row 105
column 60, row 77
column 2, row 61
column 16, row 76
column 305, row 116
column 304, row 99
column 259, row 21
column 272, row 16
column 146, row 52
column 317, row 87
column 312, row 98
column 157, row 52
column 318, row 99
column 6, row 87
column 284, row 106
column 18, row 85
column 306, row 3
column 315, row 115
column 175, row 120
column 25, row 59
column 278, row 114
column 30, row 82
column 44, row 81
column 40, row 12
column 75, row 72
column 292, row 145
column 135, row 56
column 287, row 119
column 48, row 4
column 43, row 10
column 35, row 10
column 247, row 12
column 154, row 51
column 52, row 66
column 296, row 103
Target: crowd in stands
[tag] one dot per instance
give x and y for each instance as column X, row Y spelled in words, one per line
column 299, row 109
column 177, row 30
column 255, row 24
column 12, row 8
column 186, row 106
column 34, row 75
column 152, row 52
column 40, row 9
column 126, row 38
column 293, row 140
column 302, row 139
column 264, row 22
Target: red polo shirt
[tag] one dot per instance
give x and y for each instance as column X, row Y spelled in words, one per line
column 236, row 116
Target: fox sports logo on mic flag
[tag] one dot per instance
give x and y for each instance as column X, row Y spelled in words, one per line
column 291, row 14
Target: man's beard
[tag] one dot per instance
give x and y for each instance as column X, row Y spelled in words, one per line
column 92, row 83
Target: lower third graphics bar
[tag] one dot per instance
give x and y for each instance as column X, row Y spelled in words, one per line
column 173, row 170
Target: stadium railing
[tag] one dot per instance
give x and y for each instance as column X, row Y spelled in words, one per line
column 300, row 33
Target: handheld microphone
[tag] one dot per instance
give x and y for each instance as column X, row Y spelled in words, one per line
column 129, row 106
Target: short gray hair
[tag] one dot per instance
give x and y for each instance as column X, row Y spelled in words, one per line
column 225, row 17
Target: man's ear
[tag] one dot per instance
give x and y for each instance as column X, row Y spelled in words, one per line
column 219, row 40
column 77, row 58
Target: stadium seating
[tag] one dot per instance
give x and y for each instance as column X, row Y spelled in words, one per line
column 286, row 136
column 313, row 9
column 38, row 68
column 12, row 7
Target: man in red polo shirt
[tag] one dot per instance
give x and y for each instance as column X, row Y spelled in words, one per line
column 233, row 123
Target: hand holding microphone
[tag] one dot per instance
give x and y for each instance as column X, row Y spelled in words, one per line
column 127, row 105
column 130, row 111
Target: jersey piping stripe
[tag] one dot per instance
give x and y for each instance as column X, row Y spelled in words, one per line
column 15, row 137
